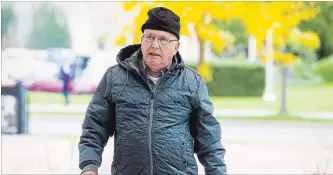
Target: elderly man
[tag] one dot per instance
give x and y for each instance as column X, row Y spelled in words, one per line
column 157, row 109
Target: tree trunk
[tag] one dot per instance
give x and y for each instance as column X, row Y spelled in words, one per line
column 283, row 109
column 201, row 51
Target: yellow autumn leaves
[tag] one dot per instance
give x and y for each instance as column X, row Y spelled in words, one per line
column 205, row 71
column 285, row 58
column 218, row 38
column 309, row 39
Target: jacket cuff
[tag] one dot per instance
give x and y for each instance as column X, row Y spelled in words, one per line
column 216, row 172
column 90, row 167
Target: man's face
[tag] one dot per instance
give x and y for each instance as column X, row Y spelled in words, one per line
column 158, row 48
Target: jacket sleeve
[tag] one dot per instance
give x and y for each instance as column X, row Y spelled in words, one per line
column 206, row 132
column 97, row 127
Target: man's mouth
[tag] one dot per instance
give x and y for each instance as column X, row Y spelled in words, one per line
column 154, row 54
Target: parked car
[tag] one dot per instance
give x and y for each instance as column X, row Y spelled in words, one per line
column 80, row 85
column 21, row 64
column 85, row 82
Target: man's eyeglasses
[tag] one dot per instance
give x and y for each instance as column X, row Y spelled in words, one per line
column 161, row 40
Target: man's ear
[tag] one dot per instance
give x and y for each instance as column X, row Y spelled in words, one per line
column 177, row 47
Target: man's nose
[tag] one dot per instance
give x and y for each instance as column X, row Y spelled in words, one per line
column 155, row 44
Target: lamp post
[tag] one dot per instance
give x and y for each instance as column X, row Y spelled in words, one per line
column 269, row 94
column 252, row 48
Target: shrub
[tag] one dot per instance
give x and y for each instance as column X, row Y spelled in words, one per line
column 237, row 79
column 324, row 68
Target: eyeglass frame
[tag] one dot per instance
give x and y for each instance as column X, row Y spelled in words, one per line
column 158, row 39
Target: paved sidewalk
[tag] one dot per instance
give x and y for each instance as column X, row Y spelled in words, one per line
column 51, row 155
column 261, row 158
column 218, row 112
column 28, row 154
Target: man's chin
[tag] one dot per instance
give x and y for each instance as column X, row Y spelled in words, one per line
column 155, row 68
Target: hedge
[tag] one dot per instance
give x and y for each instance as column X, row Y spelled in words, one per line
column 237, row 79
column 324, row 68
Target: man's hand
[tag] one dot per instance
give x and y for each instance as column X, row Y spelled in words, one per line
column 89, row 173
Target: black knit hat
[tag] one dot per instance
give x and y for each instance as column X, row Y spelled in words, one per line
column 160, row 18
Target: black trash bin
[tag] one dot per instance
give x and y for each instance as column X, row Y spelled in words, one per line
column 14, row 113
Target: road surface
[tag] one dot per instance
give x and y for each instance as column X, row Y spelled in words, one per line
column 252, row 148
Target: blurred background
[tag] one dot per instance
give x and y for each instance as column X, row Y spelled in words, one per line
column 268, row 67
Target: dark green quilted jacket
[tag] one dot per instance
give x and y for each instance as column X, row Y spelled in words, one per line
column 156, row 128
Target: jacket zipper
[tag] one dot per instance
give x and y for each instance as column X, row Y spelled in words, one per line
column 151, row 113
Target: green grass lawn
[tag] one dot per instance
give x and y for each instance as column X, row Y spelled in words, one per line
column 299, row 99
column 56, row 98
column 317, row 98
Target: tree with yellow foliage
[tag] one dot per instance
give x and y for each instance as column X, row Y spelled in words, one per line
column 308, row 40
column 282, row 18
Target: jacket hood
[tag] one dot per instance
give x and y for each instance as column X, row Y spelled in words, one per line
column 132, row 55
